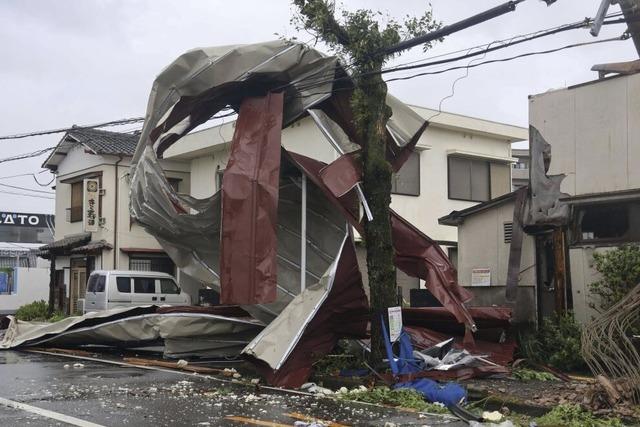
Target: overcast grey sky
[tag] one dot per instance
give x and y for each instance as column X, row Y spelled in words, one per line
column 86, row 61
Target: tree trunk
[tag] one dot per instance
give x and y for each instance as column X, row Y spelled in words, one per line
column 371, row 114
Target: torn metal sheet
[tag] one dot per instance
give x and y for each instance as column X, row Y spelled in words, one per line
column 250, row 183
column 336, row 307
column 182, row 333
column 416, row 254
column 545, row 207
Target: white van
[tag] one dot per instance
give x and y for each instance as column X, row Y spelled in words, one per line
column 113, row 288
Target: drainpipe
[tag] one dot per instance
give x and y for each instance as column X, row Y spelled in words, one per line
column 115, row 217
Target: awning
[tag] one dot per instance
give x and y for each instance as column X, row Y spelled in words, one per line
column 64, row 246
column 91, row 247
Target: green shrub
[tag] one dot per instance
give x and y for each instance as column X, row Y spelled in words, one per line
column 574, row 416
column 620, row 270
column 403, row 397
column 524, row 374
column 556, row 343
column 37, row 311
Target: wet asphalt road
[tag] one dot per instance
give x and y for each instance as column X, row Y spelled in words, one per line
column 111, row 395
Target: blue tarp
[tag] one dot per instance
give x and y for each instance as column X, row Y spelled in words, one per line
column 448, row 394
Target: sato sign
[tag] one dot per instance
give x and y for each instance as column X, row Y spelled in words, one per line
column 481, row 277
column 90, row 205
column 25, row 219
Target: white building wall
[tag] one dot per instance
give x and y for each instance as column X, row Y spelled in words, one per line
column 594, row 132
column 481, row 245
column 32, row 285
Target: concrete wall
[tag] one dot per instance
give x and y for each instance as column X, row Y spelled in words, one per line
column 32, row 285
column 594, row 132
column 481, row 245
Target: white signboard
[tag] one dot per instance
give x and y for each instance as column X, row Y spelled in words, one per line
column 90, row 205
column 481, row 277
column 395, row 323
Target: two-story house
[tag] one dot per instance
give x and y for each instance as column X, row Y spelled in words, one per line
column 458, row 162
column 93, row 227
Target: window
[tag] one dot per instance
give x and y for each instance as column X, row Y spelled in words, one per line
column 407, row 180
column 521, row 164
column 76, row 202
column 144, row 285
column 612, row 222
column 123, row 284
column 168, row 286
column 151, row 262
column 174, row 183
column 96, row 283
column 469, row 179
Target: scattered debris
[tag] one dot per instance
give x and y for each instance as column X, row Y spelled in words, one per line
column 78, row 366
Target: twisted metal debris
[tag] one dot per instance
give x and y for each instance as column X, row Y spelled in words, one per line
column 608, row 348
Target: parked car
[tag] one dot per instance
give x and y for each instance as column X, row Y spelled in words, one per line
column 113, row 288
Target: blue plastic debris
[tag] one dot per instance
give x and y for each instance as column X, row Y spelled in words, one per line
column 449, row 394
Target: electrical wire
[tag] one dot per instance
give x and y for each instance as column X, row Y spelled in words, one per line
column 17, row 187
column 49, row 132
column 27, row 195
column 99, row 125
column 41, row 184
column 537, row 35
column 570, row 46
column 24, row 174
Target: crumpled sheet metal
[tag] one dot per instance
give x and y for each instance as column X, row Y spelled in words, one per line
column 416, row 254
column 181, row 332
column 335, row 307
column 187, row 93
column 250, row 204
column 545, row 207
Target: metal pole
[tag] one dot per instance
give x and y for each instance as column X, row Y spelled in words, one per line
column 303, row 235
column 599, row 19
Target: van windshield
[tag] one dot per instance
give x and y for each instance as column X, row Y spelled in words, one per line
column 96, row 283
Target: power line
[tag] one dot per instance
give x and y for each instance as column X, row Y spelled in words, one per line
column 523, row 55
column 24, row 174
column 60, row 130
column 512, row 41
column 27, row 195
column 27, row 155
column 17, row 187
column 623, row 37
column 99, row 125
